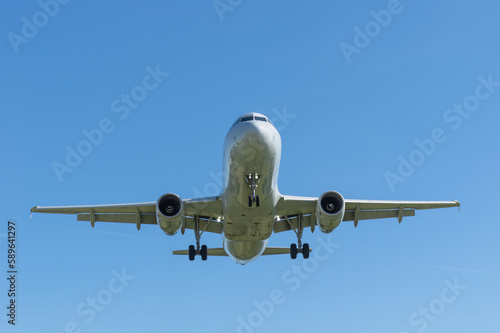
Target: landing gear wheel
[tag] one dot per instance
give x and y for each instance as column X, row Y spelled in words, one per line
column 305, row 250
column 203, row 252
column 191, row 252
column 293, row 251
column 253, row 179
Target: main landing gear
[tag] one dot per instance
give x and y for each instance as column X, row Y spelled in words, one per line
column 199, row 250
column 253, row 180
column 299, row 247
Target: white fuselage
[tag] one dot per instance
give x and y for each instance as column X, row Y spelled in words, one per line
column 251, row 147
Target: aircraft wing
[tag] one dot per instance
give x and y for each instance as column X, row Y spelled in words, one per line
column 207, row 209
column 290, row 207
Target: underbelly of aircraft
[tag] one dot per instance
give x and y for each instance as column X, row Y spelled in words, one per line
column 244, row 252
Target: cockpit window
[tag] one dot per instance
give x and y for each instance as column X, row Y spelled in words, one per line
column 246, row 118
column 250, row 118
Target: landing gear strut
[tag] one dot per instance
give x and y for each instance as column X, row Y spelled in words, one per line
column 299, row 247
column 253, row 180
column 199, row 250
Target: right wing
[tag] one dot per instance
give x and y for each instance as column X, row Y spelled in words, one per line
column 290, row 207
column 207, row 209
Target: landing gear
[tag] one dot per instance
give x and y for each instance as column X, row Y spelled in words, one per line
column 305, row 250
column 253, row 180
column 293, row 251
column 192, row 252
column 203, row 252
column 251, row 200
column 299, row 247
column 199, row 250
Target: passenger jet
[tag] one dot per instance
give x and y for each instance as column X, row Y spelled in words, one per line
column 250, row 207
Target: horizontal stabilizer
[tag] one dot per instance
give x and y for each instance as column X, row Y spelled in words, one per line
column 217, row 252
column 277, row 250
column 220, row 252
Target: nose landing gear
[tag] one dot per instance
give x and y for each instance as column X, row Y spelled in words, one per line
column 253, row 179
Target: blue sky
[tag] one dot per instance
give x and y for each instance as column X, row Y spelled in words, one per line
column 372, row 114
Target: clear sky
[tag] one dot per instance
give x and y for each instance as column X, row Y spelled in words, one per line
column 374, row 99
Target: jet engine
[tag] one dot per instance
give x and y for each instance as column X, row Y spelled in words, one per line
column 330, row 211
column 170, row 213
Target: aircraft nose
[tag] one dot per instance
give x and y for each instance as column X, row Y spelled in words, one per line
column 253, row 131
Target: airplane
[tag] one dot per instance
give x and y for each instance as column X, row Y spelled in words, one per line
column 250, row 207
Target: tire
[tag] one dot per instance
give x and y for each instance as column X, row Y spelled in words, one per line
column 257, row 201
column 293, row 251
column 191, row 252
column 249, row 201
column 305, row 250
column 204, row 252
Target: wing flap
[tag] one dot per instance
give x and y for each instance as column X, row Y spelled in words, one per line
column 308, row 220
column 377, row 214
column 119, row 218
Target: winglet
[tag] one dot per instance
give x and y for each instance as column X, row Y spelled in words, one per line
column 32, row 211
column 458, row 204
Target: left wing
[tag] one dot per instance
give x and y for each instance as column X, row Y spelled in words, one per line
column 208, row 210
column 290, row 207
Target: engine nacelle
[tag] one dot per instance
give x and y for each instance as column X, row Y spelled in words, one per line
column 330, row 211
column 170, row 213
